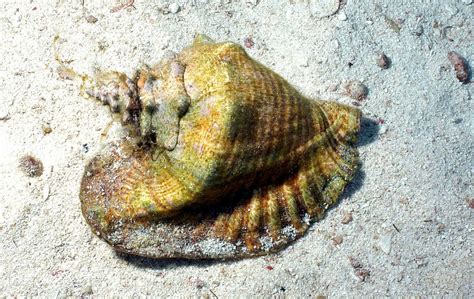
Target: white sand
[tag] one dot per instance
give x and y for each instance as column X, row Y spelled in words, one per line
column 416, row 169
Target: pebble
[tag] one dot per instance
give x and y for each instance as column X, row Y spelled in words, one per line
column 362, row 274
column 332, row 87
column 85, row 148
column 356, row 90
column 303, row 61
column 17, row 18
column 248, row 42
column 385, row 243
column 460, row 66
column 470, row 203
column 252, row 2
column 174, row 8
column 31, row 166
column 467, row 2
column 383, row 129
column 46, row 129
column 335, row 44
column 91, row 19
column 441, row 228
column 346, row 218
column 322, row 9
column 337, row 240
column 354, row 262
column 87, row 290
column 342, row 16
column 383, row 61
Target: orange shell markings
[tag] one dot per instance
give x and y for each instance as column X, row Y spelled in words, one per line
column 221, row 157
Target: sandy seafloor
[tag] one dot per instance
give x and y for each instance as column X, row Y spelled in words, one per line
column 412, row 227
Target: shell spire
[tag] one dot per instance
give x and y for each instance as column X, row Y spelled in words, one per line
column 112, row 89
column 232, row 160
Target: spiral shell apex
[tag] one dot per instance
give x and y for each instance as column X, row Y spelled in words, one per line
column 222, row 158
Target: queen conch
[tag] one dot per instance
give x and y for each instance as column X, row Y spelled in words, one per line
column 222, row 158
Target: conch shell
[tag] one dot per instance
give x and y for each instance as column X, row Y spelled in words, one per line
column 222, row 157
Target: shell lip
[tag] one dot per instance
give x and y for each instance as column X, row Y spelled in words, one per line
column 125, row 236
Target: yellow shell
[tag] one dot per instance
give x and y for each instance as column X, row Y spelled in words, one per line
column 223, row 159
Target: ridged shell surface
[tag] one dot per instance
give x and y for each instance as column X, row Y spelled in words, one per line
column 223, row 158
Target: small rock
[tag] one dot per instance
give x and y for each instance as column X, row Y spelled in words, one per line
column 356, row 90
column 470, row 202
column 91, row 19
column 359, row 272
column 85, row 148
column 441, row 227
column 337, row 240
column 200, row 284
column 17, row 18
column 362, row 274
column 467, row 2
column 87, row 290
column 174, row 8
column 252, row 3
column 303, row 61
column 248, row 42
column 342, row 16
column 354, row 262
column 385, row 243
column 31, row 166
column 335, row 44
column 322, row 9
column 383, row 61
column 379, row 121
column 460, row 66
column 46, row 129
column 346, row 218
column 332, row 87
column 383, row 129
